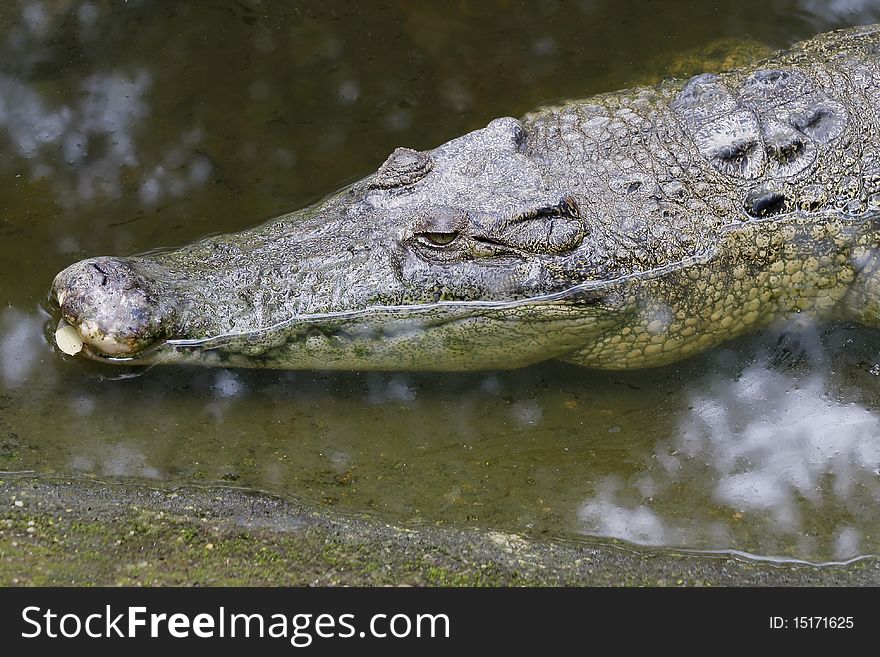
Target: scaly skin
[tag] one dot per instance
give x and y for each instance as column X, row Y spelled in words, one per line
column 629, row 230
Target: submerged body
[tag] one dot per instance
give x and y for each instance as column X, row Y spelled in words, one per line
column 628, row 230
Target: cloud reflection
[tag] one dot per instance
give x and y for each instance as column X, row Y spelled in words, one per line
column 773, row 440
column 87, row 142
column 117, row 460
column 829, row 12
column 766, row 462
column 81, row 133
column 22, row 345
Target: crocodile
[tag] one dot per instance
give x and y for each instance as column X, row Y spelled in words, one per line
column 628, row 230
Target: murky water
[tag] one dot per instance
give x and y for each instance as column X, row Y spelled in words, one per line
column 128, row 126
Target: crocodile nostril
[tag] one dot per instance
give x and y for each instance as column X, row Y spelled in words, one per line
column 104, row 275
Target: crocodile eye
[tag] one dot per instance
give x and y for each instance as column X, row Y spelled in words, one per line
column 438, row 239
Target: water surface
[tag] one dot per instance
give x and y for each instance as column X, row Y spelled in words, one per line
column 129, row 126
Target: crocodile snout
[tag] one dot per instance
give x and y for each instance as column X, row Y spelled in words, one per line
column 116, row 308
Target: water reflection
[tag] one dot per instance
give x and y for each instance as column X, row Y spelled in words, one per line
column 88, row 149
column 119, row 460
column 381, row 390
column 752, row 461
column 22, row 345
column 770, row 449
column 81, row 145
column 824, row 12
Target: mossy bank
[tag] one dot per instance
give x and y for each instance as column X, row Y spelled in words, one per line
column 81, row 532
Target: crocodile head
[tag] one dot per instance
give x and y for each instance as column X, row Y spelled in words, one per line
column 628, row 230
column 456, row 258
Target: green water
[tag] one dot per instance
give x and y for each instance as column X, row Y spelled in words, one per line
column 129, row 126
